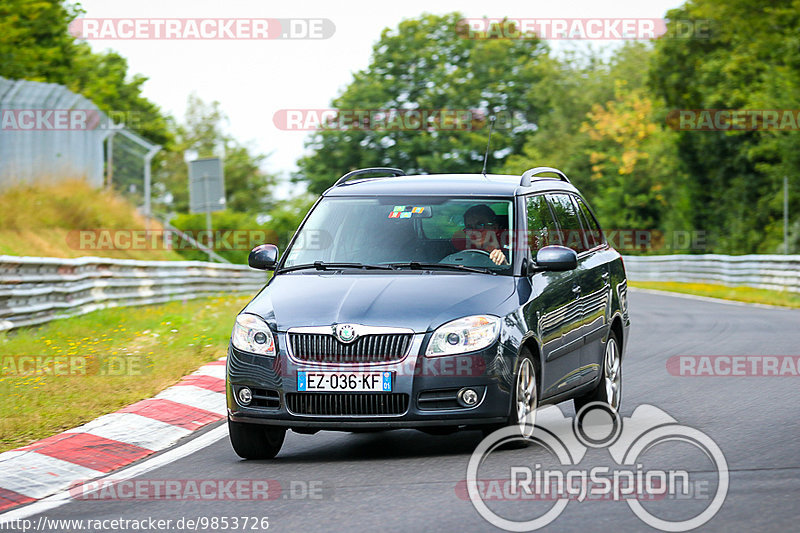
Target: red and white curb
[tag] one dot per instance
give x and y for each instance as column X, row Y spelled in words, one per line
column 112, row 441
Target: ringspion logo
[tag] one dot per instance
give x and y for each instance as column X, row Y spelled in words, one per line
column 669, row 499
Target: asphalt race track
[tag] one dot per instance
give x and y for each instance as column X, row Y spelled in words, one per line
column 406, row 480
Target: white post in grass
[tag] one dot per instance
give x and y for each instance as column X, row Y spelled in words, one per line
column 785, row 215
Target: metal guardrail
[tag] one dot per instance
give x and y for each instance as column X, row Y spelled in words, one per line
column 775, row 272
column 34, row 290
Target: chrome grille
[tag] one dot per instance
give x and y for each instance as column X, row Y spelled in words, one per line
column 346, row 404
column 322, row 348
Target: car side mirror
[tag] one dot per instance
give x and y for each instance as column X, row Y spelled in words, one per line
column 556, row 258
column 263, row 257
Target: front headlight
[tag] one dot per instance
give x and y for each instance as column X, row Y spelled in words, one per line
column 464, row 335
column 251, row 334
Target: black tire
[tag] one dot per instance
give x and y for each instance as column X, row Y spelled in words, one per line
column 254, row 441
column 600, row 392
column 525, row 360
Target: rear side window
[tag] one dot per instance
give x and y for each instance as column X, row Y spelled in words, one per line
column 568, row 220
column 593, row 234
column 542, row 229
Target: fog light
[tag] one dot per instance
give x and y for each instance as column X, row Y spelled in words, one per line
column 245, row 396
column 468, row 397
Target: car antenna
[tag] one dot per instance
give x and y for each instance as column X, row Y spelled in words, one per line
column 488, row 144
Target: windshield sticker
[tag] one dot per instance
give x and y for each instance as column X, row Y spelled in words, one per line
column 409, row 211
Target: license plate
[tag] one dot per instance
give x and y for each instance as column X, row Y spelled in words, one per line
column 344, row 381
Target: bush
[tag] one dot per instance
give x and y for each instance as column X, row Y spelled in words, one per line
column 237, row 233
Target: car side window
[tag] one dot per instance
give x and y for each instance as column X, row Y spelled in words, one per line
column 593, row 233
column 542, row 229
column 570, row 225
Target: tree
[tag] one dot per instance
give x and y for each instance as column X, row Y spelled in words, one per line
column 104, row 79
column 633, row 163
column 247, row 186
column 605, row 131
column 34, row 43
column 751, row 60
column 580, row 82
column 429, row 63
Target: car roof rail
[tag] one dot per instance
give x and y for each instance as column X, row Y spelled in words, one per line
column 528, row 174
column 387, row 171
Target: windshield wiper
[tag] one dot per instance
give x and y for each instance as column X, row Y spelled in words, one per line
column 413, row 265
column 320, row 265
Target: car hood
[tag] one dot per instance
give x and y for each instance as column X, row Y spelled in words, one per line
column 416, row 300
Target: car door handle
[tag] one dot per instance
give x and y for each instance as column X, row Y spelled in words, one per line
column 604, row 275
column 576, row 289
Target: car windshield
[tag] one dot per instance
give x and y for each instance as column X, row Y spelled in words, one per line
column 412, row 232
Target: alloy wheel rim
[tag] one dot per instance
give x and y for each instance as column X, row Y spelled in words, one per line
column 613, row 374
column 526, row 398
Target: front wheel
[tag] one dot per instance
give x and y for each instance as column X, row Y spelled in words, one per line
column 254, row 441
column 609, row 390
column 525, row 399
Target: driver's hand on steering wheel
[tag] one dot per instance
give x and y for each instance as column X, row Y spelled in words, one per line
column 498, row 257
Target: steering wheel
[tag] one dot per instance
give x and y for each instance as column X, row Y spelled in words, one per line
column 479, row 258
column 472, row 250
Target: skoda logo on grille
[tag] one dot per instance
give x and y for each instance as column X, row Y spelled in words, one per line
column 345, row 332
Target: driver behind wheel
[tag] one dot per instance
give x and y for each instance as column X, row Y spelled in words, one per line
column 484, row 230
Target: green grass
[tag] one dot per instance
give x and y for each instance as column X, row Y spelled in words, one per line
column 740, row 294
column 45, row 220
column 164, row 342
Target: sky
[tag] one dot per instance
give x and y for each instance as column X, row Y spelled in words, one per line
column 252, row 79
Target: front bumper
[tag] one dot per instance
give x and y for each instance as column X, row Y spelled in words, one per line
column 489, row 371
